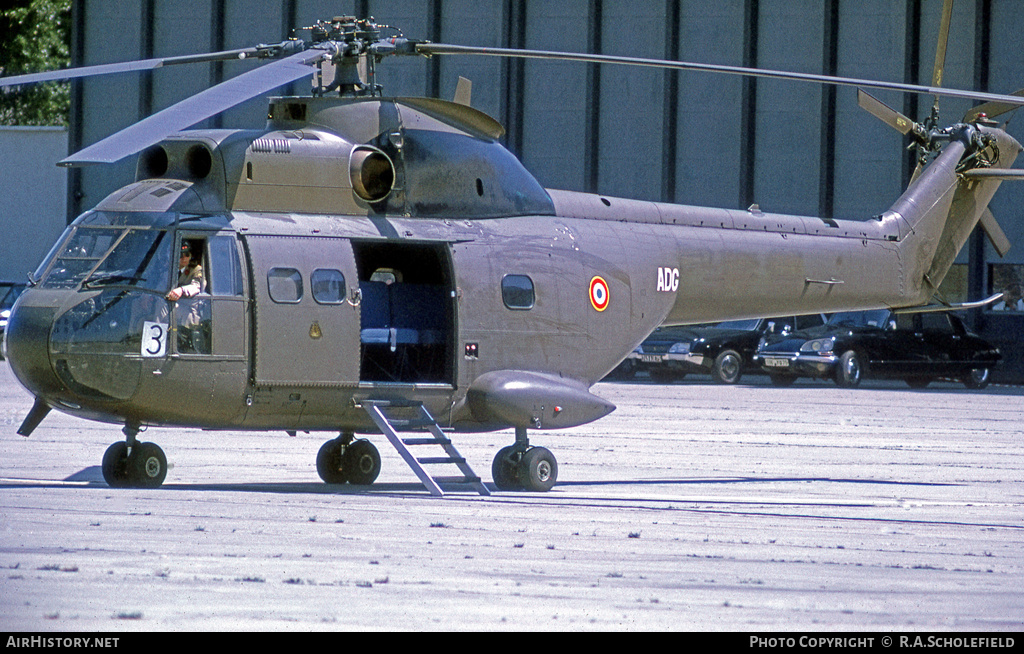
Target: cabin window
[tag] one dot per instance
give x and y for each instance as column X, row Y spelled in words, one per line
column 284, row 285
column 517, row 292
column 328, row 286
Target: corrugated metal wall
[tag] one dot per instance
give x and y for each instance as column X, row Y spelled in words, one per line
column 687, row 137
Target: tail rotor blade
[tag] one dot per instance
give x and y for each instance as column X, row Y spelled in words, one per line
column 994, row 232
column 884, row 112
column 940, row 52
column 991, row 109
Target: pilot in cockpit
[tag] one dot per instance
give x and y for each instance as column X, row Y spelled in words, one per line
column 190, row 275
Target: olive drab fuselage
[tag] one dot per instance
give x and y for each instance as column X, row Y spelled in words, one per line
column 371, row 248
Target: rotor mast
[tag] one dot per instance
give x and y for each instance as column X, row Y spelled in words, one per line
column 355, row 48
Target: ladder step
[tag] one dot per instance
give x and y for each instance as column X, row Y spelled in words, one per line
column 393, row 403
column 427, row 441
column 457, row 480
column 441, row 459
column 388, row 426
column 412, row 423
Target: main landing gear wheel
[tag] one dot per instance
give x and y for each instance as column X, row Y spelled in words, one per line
column 362, row 460
column 538, row 470
column 505, row 468
column 143, row 465
column 523, row 467
column 341, row 460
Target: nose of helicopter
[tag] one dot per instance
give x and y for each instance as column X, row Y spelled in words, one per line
column 55, row 354
column 25, row 342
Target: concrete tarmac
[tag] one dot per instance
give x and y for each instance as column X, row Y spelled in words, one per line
column 691, row 507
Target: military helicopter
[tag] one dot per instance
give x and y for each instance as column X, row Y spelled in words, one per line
column 366, row 264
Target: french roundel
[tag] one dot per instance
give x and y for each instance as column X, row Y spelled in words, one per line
column 599, row 293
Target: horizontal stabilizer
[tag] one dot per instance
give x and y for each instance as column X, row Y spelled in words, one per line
column 960, row 306
column 1003, row 174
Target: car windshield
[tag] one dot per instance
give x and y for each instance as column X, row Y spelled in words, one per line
column 744, row 325
column 876, row 318
column 669, row 333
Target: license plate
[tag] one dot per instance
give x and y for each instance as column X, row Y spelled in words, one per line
column 776, row 363
column 650, row 358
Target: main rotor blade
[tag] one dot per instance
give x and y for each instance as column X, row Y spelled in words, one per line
column 446, row 49
column 884, row 112
column 196, row 108
column 124, row 67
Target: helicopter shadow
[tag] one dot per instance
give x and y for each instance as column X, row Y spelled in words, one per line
column 92, row 476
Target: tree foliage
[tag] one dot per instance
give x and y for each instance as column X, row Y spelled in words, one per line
column 37, row 37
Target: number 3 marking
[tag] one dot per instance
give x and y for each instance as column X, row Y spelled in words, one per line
column 154, row 339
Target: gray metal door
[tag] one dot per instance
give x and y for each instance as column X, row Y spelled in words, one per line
column 307, row 310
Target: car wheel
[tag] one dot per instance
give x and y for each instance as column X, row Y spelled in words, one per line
column 728, row 367
column 848, row 370
column 978, row 379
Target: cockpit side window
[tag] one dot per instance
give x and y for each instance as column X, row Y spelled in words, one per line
column 225, row 268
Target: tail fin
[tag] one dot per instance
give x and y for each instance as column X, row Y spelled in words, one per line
column 970, row 206
column 944, row 204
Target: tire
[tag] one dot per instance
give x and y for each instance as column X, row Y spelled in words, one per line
column 728, row 367
column 848, row 370
column 538, row 470
column 115, row 465
column 977, row 379
column 362, row 463
column 147, row 466
column 504, row 470
column 329, row 463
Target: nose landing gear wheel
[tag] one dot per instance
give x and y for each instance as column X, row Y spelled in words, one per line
column 144, row 466
column 115, row 465
column 147, row 465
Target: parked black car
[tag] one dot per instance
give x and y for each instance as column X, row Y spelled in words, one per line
column 9, row 292
column 723, row 350
column 916, row 347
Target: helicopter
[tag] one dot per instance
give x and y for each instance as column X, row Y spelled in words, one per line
column 367, row 264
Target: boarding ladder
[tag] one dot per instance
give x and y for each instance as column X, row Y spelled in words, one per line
column 378, row 411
